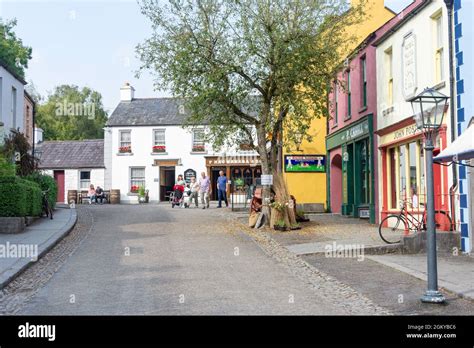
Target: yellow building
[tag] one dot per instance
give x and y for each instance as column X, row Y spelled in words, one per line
column 310, row 187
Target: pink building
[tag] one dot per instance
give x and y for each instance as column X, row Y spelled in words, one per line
column 351, row 143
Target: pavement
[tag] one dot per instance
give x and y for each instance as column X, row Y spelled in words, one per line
column 455, row 272
column 35, row 241
column 324, row 229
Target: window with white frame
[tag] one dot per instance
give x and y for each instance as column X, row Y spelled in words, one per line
column 159, row 140
column 84, row 179
column 125, row 141
column 389, row 77
column 199, row 144
column 137, row 178
column 438, row 47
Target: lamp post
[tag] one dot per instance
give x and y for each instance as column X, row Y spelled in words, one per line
column 428, row 110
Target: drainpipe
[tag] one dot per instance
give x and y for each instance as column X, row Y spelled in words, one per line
column 449, row 7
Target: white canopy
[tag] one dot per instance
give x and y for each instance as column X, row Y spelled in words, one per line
column 461, row 149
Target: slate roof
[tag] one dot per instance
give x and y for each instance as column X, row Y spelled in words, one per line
column 148, row 112
column 71, row 154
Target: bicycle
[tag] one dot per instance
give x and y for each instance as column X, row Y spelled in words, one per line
column 46, row 206
column 392, row 226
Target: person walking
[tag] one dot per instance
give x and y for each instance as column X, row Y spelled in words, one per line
column 194, row 186
column 204, row 190
column 222, row 189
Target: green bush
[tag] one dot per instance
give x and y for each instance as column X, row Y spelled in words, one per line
column 6, row 168
column 13, row 197
column 45, row 182
column 34, row 197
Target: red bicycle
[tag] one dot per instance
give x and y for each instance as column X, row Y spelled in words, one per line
column 393, row 226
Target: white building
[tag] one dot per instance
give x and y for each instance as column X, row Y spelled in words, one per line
column 412, row 56
column 74, row 164
column 145, row 144
column 11, row 101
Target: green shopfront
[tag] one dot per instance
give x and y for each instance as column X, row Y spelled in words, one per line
column 350, row 170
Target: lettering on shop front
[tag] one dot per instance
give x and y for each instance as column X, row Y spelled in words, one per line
column 405, row 132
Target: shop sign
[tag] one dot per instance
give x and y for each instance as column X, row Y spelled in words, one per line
column 305, row 163
column 409, row 66
column 400, row 134
column 188, row 174
column 364, row 213
column 348, row 135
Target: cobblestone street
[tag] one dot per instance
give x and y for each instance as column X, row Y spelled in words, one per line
column 151, row 259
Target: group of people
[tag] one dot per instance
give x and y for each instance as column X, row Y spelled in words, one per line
column 201, row 189
column 95, row 195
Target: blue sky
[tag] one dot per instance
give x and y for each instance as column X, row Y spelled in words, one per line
column 88, row 43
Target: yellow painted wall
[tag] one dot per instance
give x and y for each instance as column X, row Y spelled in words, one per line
column 311, row 187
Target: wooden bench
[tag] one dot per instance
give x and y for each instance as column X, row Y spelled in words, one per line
column 82, row 197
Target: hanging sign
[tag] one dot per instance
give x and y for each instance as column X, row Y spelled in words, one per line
column 188, row 174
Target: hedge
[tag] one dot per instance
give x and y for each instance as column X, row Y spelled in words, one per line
column 19, row 197
column 45, row 183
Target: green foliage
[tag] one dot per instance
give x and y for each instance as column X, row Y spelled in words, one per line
column 19, row 197
column 249, row 63
column 280, row 223
column 141, row 191
column 12, row 51
column 71, row 113
column 17, row 142
column 46, row 183
column 6, row 167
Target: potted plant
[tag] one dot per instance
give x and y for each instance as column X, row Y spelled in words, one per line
column 141, row 194
column 159, row 148
column 125, row 149
column 280, row 225
column 134, row 189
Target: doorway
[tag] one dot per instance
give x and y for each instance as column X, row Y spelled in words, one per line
column 214, row 175
column 59, row 178
column 167, row 181
column 336, row 184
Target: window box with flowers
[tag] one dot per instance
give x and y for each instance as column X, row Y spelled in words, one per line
column 199, row 148
column 159, row 149
column 125, row 149
column 134, row 189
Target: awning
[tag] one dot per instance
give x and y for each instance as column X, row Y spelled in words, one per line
column 461, row 149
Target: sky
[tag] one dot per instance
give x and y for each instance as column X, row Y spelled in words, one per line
column 88, row 43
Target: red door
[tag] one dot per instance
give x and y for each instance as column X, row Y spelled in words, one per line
column 59, row 178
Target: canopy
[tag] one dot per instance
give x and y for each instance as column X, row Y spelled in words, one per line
column 460, row 149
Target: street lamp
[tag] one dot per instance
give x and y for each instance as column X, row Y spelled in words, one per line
column 428, row 111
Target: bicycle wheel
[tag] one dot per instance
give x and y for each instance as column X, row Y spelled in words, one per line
column 443, row 221
column 391, row 229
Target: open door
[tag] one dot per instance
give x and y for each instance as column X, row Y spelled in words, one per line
column 167, row 180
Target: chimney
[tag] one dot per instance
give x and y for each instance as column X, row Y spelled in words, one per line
column 38, row 135
column 127, row 92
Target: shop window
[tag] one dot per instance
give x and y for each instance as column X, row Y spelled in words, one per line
column 407, row 175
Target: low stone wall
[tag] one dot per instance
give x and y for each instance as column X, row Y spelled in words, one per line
column 311, row 207
column 445, row 241
column 11, row 225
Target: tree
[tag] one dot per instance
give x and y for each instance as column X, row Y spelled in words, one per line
column 240, row 63
column 70, row 113
column 18, row 148
column 12, row 51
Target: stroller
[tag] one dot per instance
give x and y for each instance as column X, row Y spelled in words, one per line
column 178, row 195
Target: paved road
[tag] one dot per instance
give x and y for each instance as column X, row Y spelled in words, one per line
column 151, row 259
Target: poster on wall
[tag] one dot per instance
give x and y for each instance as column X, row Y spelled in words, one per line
column 305, row 163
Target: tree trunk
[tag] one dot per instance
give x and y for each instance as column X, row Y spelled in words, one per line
column 270, row 166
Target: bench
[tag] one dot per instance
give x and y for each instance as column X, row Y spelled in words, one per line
column 83, row 198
